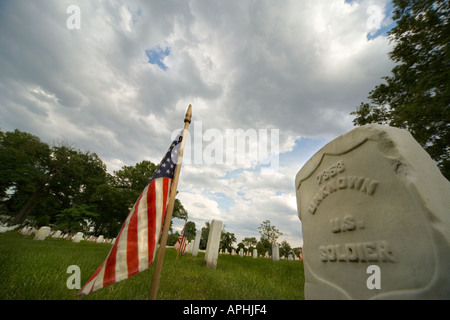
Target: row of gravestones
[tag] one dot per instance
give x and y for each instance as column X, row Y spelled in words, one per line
column 254, row 254
column 212, row 246
column 5, row 228
column 45, row 232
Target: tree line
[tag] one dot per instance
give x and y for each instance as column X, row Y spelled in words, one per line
column 70, row 189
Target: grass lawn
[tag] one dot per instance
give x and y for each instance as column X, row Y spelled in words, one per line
column 37, row 270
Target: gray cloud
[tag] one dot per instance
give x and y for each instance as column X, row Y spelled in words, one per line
column 297, row 66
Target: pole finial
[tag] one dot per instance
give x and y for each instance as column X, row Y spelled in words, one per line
column 188, row 116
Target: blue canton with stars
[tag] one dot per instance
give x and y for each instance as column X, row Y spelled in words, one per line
column 166, row 168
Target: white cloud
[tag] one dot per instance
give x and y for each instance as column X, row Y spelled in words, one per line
column 297, row 66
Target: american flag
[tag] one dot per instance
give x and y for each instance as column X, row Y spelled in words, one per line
column 181, row 243
column 135, row 246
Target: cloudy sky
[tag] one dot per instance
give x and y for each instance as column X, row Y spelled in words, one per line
column 116, row 77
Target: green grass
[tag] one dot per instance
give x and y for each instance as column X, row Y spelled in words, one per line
column 37, row 270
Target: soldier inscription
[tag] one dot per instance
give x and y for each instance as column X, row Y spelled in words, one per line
column 374, row 197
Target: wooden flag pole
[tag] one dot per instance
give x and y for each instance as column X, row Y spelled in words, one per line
column 168, row 216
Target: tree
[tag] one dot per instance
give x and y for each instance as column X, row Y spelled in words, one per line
column 416, row 96
column 75, row 219
column 190, row 230
column 250, row 242
column 205, row 235
column 24, row 165
column 135, row 177
column 43, row 180
column 172, row 238
column 264, row 245
column 261, row 248
column 285, row 248
column 268, row 232
column 226, row 240
column 240, row 246
column 69, row 187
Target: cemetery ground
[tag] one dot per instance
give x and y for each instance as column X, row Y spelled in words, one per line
column 37, row 270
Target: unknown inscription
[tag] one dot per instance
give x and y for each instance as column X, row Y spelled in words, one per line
column 361, row 184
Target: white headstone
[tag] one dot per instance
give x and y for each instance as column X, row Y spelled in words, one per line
column 241, row 252
column 100, row 239
column 57, row 234
column 198, row 235
column 212, row 247
column 42, row 233
column 78, row 237
column 255, row 253
column 275, row 252
column 189, row 246
column 25, row 230
column 375, row 217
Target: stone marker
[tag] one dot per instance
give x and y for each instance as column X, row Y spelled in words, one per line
column 275, row 252
column 57, row 234
column 25, row 231
column 198, row 235
column 212, row 247
column 375, row 218
column 78, row 237
column 241, row 252
column 189, row 246
column 100, row 239
column 255, row 253
column 42, row 233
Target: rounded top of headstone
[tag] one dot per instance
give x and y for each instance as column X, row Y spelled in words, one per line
column 405, row 153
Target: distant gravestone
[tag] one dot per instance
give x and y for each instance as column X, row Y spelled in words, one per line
column 78, row 237
column 255, row 253
column 189, row 246
column 57, row 234
column 198, row 235
column 241, row 252
column 275, row 252
column 25, row 230
column 375, row 219
column 212, row 246
column 42, row 233
column 100, row 239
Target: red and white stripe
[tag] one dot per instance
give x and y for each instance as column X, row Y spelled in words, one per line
column 181, row 244
column 135, row 246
